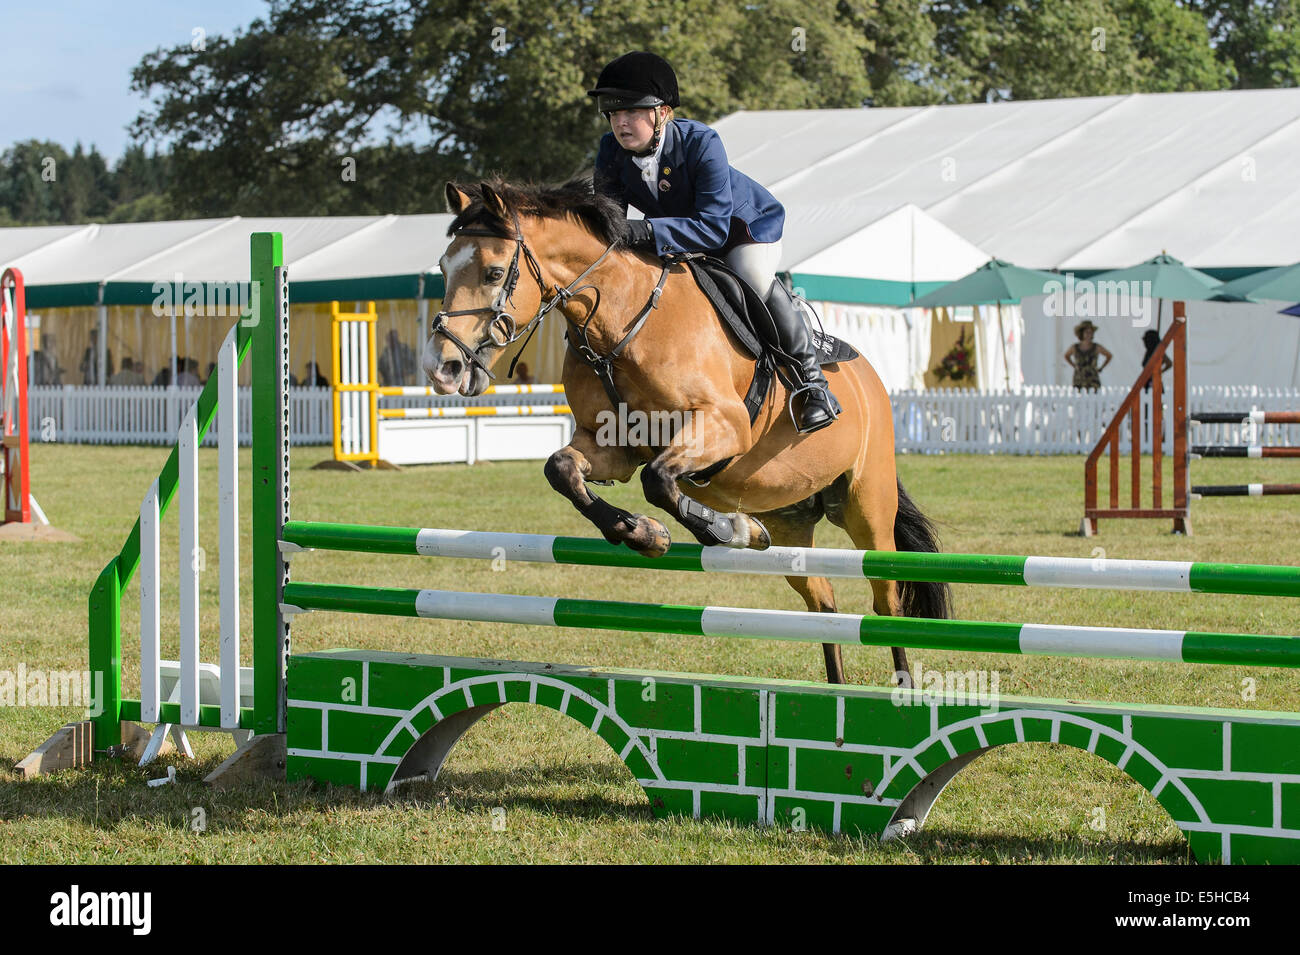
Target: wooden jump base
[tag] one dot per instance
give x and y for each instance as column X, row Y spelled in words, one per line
column 1174, row 344
column 367, row 435
column 840, row 758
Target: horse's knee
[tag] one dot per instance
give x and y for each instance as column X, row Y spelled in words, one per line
column 658, row 486
column 561, row 472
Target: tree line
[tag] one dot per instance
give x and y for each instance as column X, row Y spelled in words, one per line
column 353, row 107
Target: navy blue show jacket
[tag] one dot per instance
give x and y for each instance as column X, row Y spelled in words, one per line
column 700, row 204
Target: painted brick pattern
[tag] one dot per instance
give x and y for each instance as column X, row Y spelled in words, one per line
column 843, row 759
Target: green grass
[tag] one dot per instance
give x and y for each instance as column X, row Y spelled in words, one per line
column 567, row 797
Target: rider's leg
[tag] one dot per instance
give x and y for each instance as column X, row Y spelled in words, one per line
column 756, row 263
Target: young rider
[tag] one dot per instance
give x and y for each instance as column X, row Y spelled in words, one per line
column 676, row 172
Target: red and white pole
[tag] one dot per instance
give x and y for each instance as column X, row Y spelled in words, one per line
column 13, row 396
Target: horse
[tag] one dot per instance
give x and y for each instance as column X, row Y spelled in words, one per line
column 646, row 326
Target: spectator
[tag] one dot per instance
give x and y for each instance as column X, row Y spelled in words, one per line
column 1082, row 357
column 187, row 373
column 397, row 363
column 164, row 377
column 313, row 378
column 522, row 375
column 129, row 375
column 45, row 364
column 1151, row 339
column 90, row 361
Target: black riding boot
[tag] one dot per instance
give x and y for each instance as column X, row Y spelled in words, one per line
column 819, row 407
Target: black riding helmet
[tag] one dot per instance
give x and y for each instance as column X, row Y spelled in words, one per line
column 635, row 81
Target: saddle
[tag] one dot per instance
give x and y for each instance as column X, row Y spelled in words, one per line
column 742, row 310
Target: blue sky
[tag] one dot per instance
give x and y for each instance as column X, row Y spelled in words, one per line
column 67, row 63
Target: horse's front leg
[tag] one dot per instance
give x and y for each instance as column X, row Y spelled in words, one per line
column 583, row 459
column 708, row 436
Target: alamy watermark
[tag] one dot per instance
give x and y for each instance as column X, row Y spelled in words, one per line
column 947, row 687
column 24, row 687
column 210, row 299
column 629, row 428
column 1085, row 298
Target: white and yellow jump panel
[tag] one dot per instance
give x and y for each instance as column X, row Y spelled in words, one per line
column 367, row 435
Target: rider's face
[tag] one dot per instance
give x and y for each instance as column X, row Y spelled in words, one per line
column 633, row 128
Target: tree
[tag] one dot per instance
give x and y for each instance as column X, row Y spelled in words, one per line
column 1173, row 47
column 1258, row 40
column 1000, row 49
column 418, row 92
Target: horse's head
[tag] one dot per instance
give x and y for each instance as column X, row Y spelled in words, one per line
column 491, row 279
column 495, row 290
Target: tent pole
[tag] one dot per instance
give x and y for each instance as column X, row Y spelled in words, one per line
column 421, row 317
column 171, row 313
column 1002, row 337
column 101, row 359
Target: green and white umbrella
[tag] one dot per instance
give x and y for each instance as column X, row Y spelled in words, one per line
column 1169, row 279
column 994, row 282
column 1281, row 284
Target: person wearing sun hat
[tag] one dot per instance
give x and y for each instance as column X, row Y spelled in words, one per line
column 1082, row 357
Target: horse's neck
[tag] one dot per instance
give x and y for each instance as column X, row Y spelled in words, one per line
column 625, row 281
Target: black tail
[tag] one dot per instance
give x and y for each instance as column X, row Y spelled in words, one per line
column 914, row 531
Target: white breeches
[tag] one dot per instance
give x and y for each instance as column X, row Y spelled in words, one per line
column 756, row 263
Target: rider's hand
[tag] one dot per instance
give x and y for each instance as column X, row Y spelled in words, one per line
column 639, row 234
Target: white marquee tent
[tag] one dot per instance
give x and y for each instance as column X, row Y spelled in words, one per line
column 882, row 204
column 1080, row 184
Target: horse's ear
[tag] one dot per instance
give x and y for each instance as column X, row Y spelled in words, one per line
column 456, row 199
column 493, row 203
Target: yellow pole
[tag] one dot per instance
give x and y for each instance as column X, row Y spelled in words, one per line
column 372, row 391
column 335, row 346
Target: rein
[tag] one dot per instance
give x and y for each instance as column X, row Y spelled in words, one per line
column 503, row 331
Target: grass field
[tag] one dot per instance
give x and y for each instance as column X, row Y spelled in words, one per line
column 567, row 797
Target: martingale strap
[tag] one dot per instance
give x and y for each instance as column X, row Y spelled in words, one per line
column 603, row 365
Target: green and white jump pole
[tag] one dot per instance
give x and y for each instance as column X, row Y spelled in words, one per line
column 1067, row 572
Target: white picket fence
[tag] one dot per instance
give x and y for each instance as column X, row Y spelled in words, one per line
column 1049, row 419
column 1056, row 419
column 75, row 414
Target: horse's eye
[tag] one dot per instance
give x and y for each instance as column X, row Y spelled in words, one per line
column 495, row 274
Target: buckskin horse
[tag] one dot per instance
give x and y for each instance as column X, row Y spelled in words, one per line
column 647, row 326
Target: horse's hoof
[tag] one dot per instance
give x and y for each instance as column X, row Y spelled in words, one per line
column 650, row 539
column 747, row 532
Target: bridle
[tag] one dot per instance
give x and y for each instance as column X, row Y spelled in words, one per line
column 503, row 331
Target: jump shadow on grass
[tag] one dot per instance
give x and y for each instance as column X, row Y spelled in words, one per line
column 113, row 795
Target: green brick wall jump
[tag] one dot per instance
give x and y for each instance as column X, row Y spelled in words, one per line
column 838, row 758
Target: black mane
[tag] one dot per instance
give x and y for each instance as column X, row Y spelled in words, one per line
column 576, row 199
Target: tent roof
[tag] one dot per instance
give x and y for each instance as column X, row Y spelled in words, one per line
column 345, row 257
column 880, row 203
column 1087, row 183
column 893, row 260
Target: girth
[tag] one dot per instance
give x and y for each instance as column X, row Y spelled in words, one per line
column 603, row 367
